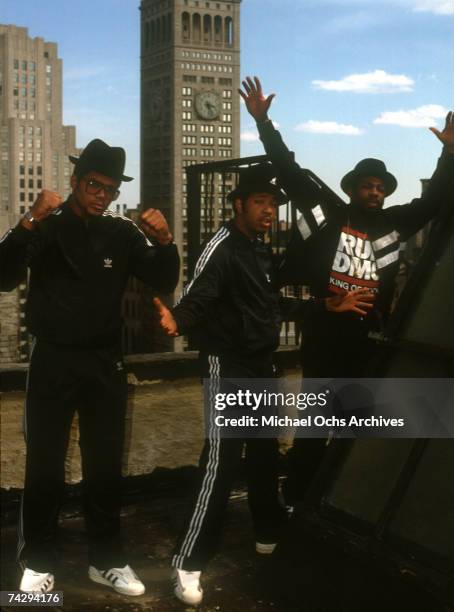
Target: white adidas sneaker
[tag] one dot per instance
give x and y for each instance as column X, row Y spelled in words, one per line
column 122, row 579
column 187, row 586
column 36, row 582
column 265, row 549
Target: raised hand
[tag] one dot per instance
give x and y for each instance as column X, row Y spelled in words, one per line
column 45, row 204
column 256, row 103
column 447, row 135
column 166, row 320
column 153, row 223
column 357, row 300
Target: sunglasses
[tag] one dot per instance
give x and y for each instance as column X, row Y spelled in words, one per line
column 93, row 187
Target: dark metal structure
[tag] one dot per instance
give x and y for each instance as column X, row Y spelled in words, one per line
column 208, row 207
column 391, row 502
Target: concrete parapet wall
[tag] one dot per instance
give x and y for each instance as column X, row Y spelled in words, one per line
column 164, row 419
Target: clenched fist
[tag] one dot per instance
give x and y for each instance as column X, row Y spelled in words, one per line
column 46, row 203
column 153, row 223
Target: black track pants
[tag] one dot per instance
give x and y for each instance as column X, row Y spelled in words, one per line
column 62, row 380
column 218, row 468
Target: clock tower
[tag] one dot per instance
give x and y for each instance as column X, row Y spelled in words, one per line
column 190, row 107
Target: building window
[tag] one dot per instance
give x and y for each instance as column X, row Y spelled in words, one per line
column 31, row 197
column 187, row 91
column 24, row 65
column 189, row 140
column 16, row 64
column 227, row 117
column 185, row 24
column 48, row 68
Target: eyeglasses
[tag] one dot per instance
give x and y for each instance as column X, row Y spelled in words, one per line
column 93, row 187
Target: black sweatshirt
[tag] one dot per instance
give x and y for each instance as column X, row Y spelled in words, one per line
column 233, row 300
column 339, row 246
column 78, row 273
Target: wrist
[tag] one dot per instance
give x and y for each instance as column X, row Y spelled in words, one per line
column 263, row 119
column 164, row 240
column 28, row 220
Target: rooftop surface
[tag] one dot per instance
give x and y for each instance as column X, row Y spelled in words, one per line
column 306, row 572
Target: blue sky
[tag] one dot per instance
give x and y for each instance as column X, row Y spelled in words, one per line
column 353, row 78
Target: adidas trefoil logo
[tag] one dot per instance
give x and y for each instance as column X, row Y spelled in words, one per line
column 107, row 262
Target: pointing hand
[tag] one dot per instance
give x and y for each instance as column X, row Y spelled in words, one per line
column 166, row 320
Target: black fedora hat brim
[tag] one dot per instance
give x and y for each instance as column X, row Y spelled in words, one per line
column 273, row 190
column 353, row 176
column 85, row 165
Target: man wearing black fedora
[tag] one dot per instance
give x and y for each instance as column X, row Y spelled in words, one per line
column 338, row 247
column 233, row 302
column 80, row 257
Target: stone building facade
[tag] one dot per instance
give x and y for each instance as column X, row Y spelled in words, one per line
column 34, row 149
column 190, row 108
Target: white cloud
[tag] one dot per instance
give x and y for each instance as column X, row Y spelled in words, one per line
column 328, row 127
column 249, row 136
column 378, row 81
column 423, row 116
column 439, row 7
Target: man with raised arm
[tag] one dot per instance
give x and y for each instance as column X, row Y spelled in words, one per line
column 80, row 257
column 346, row 246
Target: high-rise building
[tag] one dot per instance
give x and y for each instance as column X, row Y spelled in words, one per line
column 34, row 149
column 190, row 109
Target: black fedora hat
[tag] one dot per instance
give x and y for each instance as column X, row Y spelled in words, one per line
column 257, row 179
column 369, row 167
column 102, row 158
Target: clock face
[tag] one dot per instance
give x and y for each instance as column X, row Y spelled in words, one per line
column 207, row 105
